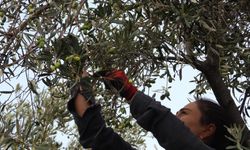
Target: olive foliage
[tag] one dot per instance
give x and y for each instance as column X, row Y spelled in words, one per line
column 48, row 42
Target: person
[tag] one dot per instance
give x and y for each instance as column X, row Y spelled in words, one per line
column 197, row 126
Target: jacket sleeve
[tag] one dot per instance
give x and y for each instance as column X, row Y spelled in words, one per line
column 170, row 132
column 94, row 133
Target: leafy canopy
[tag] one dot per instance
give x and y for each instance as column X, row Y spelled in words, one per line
column 49, row 42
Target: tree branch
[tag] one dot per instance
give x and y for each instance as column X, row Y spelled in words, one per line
column 222, row 93
column 210, row 68
column 12, row 33
column 247, row 94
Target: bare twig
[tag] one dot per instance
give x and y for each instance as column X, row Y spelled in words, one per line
column 247, row 94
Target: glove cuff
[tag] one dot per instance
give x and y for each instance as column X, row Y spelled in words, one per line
column 129, row 92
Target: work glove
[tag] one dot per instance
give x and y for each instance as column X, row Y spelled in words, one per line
column 118, row 80
column 83, row 87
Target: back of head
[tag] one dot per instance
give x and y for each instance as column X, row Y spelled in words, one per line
column 213, row 113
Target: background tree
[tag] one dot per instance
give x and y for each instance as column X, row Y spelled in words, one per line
column 49, row 42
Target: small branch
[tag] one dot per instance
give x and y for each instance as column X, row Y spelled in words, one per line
column 73, row 19
column 247, row 94
column 189, row 58
column 32, row 17
column 14, row 32
column 18, row 60
column 169, row 58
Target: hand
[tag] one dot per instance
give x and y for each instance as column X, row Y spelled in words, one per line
column 118, row 80
column 81, row 95
column 81, row 105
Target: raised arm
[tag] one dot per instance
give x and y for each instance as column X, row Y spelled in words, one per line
column 91, row 126
column 170, row 132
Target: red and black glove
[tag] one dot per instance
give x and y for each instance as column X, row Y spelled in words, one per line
column 118, row 80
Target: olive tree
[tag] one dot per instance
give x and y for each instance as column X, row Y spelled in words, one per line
column 50, row 41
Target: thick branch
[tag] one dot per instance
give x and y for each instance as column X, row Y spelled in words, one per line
column 211, row 71
column 225, row 99
column 210, row 68
column 223, row 95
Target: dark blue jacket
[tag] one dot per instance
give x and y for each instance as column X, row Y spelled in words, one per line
column 150, row 115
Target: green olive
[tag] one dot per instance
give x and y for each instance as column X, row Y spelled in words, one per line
column 76, row 58
column 87, row 26
column 57, row 64
column 1, row 14
column 53, row 68
column 30, row 9
column 69, row 58
column 112, row 50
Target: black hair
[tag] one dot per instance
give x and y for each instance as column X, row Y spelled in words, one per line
column 215, row 114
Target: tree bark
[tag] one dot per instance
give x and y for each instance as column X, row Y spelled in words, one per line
column 210, row 68
column 223, row 95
